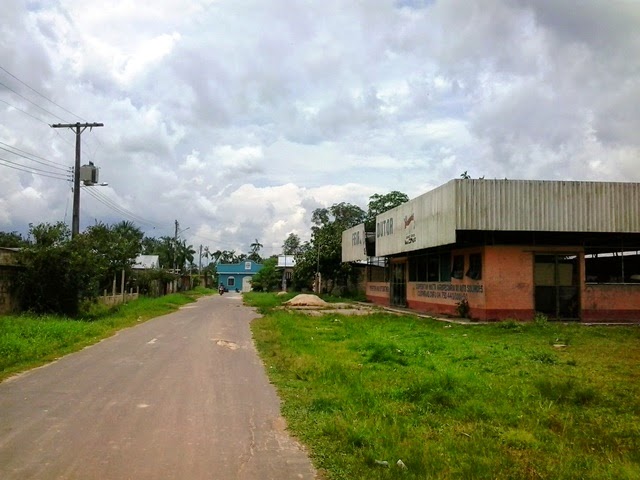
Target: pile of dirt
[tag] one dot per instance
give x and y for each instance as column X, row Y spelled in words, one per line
column 306, row 300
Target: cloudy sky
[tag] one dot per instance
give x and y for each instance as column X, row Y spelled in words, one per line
column 239, row 117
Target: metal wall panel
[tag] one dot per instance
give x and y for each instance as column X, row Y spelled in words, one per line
column 426, row 221
column 432, row 219
column 547, row 206
column 353, row 244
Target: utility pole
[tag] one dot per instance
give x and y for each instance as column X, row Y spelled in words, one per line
column 78, row 128
column 175, row 248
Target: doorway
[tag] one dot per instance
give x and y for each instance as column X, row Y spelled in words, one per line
column 398, row 285
column 557, row 284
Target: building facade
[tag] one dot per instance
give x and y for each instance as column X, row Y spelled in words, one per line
column 508, row 249
column 237, row 276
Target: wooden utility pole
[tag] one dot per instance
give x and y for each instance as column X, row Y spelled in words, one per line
column 78, row 128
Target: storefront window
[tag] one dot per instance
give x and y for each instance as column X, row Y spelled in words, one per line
column 458, row 267
column 612, row 267
column 430, row 268
column 433, row 268
column 445, row 267
column 475, row 266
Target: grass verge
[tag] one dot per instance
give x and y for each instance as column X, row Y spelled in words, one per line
column 27, row 341
column 502, row 401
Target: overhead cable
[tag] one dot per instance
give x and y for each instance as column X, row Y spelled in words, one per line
column 46, row 162
column 106, row 201
column 34, row 170
column 37, row 92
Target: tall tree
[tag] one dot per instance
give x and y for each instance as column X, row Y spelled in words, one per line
column 58, row 271
column 151, row 246
column 324, row 252
column 254, row 253
column 184, row 255
column 381, row 203
column 117, row 246
column 291, row 245
column 228, row 256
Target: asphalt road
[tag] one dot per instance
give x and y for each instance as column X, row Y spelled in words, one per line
column 183, row 396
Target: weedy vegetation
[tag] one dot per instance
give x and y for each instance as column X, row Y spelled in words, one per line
column 538, row 400
column 27, row 341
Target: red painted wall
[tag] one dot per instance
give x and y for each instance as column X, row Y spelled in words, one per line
column 506, row 289
column 378, row 293
column 611, row 303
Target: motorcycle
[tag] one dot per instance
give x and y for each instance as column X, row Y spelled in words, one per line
column 221, row 289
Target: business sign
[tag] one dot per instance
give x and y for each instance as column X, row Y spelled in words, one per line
column 354, row 244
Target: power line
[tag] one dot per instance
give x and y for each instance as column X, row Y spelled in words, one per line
column 92, row 154
column 106, row 201
column 45, row 162
column 32, row 103
column 23, row 111
column 34, row 170
column 37, row 92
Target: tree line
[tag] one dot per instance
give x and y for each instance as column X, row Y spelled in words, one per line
column 322, row 253
column 59, row 272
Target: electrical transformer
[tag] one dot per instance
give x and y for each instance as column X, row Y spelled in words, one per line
column 89, row 174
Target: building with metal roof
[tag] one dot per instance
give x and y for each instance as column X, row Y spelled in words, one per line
column 496, row 249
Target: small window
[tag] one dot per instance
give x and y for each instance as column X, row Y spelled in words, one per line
column 247, row 265
column 475, row 266
column 433, row 268
column 458, row 267
column 418, row 269
column 445, row 267
column 231, row 282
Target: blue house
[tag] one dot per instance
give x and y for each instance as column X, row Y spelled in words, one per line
column 237, row 275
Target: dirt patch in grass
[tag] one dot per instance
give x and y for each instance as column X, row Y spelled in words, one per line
column 315, row 306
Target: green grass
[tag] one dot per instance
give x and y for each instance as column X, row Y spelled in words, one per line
column 456, row 401
column 27, row 341
column 264, row 302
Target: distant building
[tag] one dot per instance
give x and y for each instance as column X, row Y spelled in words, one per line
column 237, row 275
column 147, row 262
column 507, row 249
column 286, row 263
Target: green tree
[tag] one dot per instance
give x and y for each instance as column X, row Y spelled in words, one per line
column 184, row 256
column 58, row 271
column 381, row 203
column 117, row 247
column 292, row 245
column 254, row 252
column 151, row 246
column 324, row 251
column 228, row 256
column 12, row 240
column 268, row 278
column 166, row 251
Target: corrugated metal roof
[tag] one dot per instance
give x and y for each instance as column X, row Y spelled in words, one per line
column 433, row 218
column 547, row 206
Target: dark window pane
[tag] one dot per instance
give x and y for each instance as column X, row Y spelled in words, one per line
column 475, row 266
column 458, row 267
column 445, row 267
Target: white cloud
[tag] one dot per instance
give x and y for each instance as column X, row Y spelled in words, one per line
column 238, row 118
